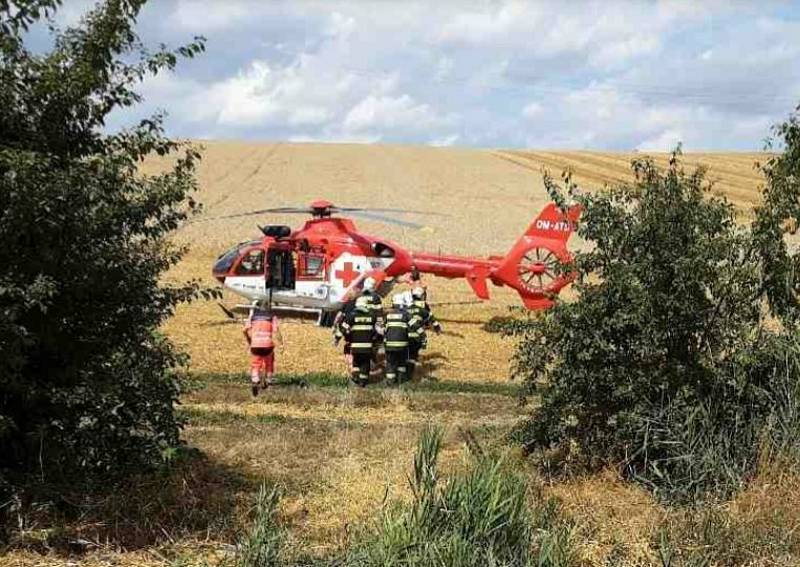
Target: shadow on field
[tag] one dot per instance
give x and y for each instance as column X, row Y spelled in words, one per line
column 428, row 364
column 461, row 321
column 423, row 383
column 192, row 497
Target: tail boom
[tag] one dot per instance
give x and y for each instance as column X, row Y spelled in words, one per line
column 531, row 267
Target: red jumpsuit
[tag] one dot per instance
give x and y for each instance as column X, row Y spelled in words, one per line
column 260, row 330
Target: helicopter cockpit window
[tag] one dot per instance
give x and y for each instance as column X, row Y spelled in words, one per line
column 226, row 260
column 252, row 263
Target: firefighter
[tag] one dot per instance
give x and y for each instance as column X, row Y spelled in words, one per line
column 261, row 332
column 421, row 319
column 412, row 279
column 396, row 341
column 421, row 307
column 375, row 300
column 361, row 331
column 338, row 334
column 416, row 335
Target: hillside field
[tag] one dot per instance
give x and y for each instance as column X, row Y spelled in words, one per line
column 337, row 451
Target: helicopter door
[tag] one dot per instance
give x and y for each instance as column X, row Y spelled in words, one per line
column 281, row 273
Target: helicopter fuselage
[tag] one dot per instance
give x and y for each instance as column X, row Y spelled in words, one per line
column 321, row 266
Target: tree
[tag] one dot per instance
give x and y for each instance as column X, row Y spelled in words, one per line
column 779, row 211
column 665, row 364
column 87, row 383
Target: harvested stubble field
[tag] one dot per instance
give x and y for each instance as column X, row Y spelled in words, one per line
column 338, row 451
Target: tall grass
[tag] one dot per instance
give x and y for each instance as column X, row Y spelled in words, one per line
column 261, row 545
column 479, row 517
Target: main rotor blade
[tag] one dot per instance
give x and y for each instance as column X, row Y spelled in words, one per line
column 383, row 218
column 279, row 210
column 386, row 210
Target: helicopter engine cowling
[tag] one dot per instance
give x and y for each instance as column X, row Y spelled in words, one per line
column 276, row 231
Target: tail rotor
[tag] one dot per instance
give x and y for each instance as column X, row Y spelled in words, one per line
column 534, row 266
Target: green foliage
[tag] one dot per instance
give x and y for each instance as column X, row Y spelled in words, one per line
column 261, row 545
column 86, row 381
column 478, row 517
column 713, row 536
column 664, row 364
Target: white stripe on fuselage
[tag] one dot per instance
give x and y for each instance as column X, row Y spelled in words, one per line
column 319, row 294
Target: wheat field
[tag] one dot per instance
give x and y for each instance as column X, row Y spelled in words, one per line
column 483, row 200
column 339, row 452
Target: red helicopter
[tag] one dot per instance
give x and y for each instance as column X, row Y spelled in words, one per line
column 322, row 265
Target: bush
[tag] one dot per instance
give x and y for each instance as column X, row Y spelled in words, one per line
column 87, row 383
column 665, row 364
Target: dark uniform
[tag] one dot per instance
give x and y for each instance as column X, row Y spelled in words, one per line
column 421, row 319
column 396, row 344
column 361, row 331
column 421, row 306
column 376, row 306
column 375, row 303
column 416, row 340
column 341, row 315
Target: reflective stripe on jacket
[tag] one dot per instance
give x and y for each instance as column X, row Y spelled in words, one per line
column 396, row 337
column 261, row 331
column 360, row 331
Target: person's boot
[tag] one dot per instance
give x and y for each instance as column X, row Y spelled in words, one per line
column 254, row 390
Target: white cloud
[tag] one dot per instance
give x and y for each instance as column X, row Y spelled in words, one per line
column 444, row 142
column 340, row 26
column 664, row 142
column 389, row 112
column 532, row 110
column 602, row 116
column 314, row 96
column 199, row 16
column 604, row 34
column 487, row 26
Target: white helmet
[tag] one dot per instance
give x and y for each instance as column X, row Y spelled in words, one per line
column 369, row 284
column 418, row 293
column 398, row 300
column 408, row 299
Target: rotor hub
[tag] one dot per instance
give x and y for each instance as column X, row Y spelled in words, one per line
column 321, row 208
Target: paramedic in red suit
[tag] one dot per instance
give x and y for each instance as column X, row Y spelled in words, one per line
column 261, row 332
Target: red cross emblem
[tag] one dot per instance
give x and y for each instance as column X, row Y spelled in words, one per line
column 348, row 274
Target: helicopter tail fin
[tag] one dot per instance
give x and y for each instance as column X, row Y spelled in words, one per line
column 532, row 265
column 553, row 224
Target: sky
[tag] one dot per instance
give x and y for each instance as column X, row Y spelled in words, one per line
column 600, row 75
